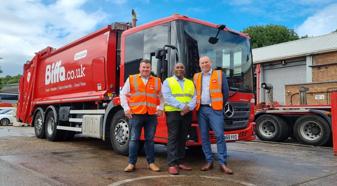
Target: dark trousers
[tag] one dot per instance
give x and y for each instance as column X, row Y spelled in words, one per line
column 149, row 123
column 178, row 127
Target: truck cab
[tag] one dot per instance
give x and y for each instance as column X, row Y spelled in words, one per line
column 75, row 89
column 185, row 40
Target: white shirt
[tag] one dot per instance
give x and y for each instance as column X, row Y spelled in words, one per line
column 205, row 95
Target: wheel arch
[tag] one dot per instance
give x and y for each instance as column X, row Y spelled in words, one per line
column 53, row 109
column 109, row 114
column 259, row 114
column 34, row 113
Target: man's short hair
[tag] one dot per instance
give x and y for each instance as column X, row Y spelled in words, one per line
column 145, row 61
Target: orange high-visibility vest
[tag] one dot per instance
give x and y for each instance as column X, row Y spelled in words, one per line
column 144, row 99
column 215, row 88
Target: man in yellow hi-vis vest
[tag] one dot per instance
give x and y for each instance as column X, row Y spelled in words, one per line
column 180, row 100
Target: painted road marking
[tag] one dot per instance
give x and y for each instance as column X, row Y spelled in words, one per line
column 178, row 176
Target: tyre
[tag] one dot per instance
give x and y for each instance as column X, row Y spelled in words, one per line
column 120, row 133
column 38, row 123
column 52, row 134
column 312, row 130
column 271, row 128
column 4, row 122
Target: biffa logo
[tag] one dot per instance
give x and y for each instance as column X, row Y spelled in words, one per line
column 57, row 73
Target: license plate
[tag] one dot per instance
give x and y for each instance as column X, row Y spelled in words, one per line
column 231, row 137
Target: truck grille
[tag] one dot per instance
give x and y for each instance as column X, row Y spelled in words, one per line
column 240, row 118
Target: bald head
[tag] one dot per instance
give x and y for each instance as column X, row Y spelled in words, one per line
column 205, row 64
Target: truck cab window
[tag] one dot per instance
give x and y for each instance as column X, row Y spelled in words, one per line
column 231, row 53
column 141, row 44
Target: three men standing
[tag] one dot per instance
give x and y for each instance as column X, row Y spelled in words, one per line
column 212, row 93
column 179, row 95
column 142, row 103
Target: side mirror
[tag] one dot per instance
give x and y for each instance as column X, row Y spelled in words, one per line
column 161, row 53
column 213, row 40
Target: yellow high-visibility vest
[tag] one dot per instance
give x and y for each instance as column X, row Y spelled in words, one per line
column 183, row 96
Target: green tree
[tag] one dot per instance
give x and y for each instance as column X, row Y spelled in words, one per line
column 269, row 34
column 8, row 80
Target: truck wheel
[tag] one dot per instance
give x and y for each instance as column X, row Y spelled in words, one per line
column 120, row 133
column 4, row 122
column 52, row 133
column 271, row 128
column 39, row 125
column 312, row 130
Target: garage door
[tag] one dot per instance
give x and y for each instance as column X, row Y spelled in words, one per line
column 280, row 75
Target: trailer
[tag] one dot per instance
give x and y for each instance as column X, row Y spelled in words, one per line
column 75, row 89
column 309, row 124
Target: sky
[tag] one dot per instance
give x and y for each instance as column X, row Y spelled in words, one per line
column 28, row 26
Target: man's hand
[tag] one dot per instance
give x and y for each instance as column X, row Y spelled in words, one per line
column 128, row 114
column 185, row 110
column 159, row 112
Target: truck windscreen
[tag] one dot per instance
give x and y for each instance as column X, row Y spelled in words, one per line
column 231, row 54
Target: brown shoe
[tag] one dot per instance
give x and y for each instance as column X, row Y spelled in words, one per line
column 130, row 168
column 226, row 170
column 153, row 167
column 184, row 167
column 173, row 170
column 207, row 166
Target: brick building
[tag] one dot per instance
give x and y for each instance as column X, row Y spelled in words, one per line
column 309, row 63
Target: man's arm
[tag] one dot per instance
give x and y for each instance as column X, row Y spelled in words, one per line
column 225, row 87
column 161, row 98
column 193, row 102
column 123, row 95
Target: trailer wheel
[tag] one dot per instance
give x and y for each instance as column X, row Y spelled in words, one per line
column 39, row 126
column 52, row 133
column 120, row 133
column 271, row 128
column 312, row 130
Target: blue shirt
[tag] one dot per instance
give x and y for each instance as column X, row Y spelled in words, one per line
column 170, row 100
column 205, row 95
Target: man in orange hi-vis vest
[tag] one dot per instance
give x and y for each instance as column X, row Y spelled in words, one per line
column 212, row 92
column 142, row 103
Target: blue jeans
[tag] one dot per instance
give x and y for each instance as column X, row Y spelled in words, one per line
column 137, row 122
column 207, row 117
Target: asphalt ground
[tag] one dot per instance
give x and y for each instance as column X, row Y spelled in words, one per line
column 26, row 160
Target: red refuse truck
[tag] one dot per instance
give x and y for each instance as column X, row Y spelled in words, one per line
column 75, row 89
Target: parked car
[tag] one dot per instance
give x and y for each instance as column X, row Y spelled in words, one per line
column 7, row 116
